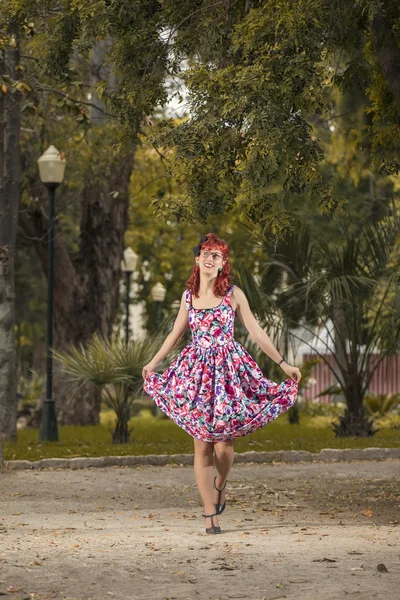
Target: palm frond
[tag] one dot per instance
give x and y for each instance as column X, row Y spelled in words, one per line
column 104, row 362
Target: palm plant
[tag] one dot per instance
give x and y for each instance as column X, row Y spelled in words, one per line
column 113, row 366
column 381, row 404
column 353, row 286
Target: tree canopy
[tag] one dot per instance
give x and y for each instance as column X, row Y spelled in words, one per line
column 260, row 76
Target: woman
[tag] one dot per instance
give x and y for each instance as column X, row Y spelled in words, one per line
column 215, row 390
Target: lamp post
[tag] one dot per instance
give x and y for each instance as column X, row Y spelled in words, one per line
column 158, row 292
column 128, row 266
column 51, row 169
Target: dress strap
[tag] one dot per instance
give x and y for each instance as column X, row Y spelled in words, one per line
column 188, row 299
column 229, row 294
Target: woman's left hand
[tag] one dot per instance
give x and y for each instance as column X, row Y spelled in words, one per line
column 293, row 372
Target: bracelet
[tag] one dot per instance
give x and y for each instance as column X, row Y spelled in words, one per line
column 281, row 361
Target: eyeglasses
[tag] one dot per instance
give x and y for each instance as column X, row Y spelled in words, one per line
column 216, row 256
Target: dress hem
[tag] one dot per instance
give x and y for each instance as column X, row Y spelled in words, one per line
column 225, row 438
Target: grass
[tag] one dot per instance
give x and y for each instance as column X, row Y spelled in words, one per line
column 161, row 436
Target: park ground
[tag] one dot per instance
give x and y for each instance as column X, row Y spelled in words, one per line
column 297, row 531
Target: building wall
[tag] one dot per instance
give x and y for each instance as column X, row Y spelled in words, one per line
column 386, row 379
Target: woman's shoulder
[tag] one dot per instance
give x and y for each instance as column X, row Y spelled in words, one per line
column 238, row 296
column 237, row 291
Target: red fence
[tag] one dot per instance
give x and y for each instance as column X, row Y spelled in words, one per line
column 386, row 379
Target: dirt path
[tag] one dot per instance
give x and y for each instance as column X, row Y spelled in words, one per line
column 305, row 531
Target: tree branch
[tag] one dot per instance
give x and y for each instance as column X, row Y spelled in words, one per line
column 46, row 88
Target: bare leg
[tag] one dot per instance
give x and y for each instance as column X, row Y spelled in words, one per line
column 204, row 474
column 224, row 455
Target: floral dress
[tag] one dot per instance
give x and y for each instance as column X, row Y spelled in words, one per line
column 214, row 389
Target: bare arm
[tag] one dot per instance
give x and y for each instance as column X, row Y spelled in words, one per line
column 180, row 325
column 258, row 335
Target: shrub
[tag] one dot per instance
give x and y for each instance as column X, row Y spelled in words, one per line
column 381, row 404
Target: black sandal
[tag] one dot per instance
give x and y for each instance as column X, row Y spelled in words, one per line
column 213, row 528
column 219, row 507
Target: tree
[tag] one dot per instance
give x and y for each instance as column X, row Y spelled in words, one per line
column 9, row 202
column 67, row 51
column 258, row 75
column 115, row 368
column 164, row 245
column 353, row 286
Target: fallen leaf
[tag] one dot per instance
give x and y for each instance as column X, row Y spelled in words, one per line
column 331, row 560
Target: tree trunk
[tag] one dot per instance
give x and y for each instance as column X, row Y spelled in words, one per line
column 341, row 335
column 9, row 202
column 388, row 52
column 86, row 290
column 354, row 423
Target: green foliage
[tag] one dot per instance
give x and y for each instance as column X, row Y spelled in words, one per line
column 29, row 389
column 115, row 368
column 261, row 78
column 162, row 436
column 317, row 409
column 313, row 282
column 105, row 362
column 164, row 245
column 381, row 404
column 57, row 39
column 388, row 421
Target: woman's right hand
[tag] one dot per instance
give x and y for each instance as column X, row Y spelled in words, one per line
column 147, row 369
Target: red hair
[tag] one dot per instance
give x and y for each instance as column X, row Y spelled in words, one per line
column 223, row 279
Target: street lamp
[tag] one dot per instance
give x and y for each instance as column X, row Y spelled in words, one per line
column 128, row 266
column 51, row 170
column 158, row 292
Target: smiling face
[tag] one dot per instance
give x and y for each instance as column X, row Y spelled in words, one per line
column 210, row 260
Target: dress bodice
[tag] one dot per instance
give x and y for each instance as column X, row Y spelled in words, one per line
column 211, row 327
